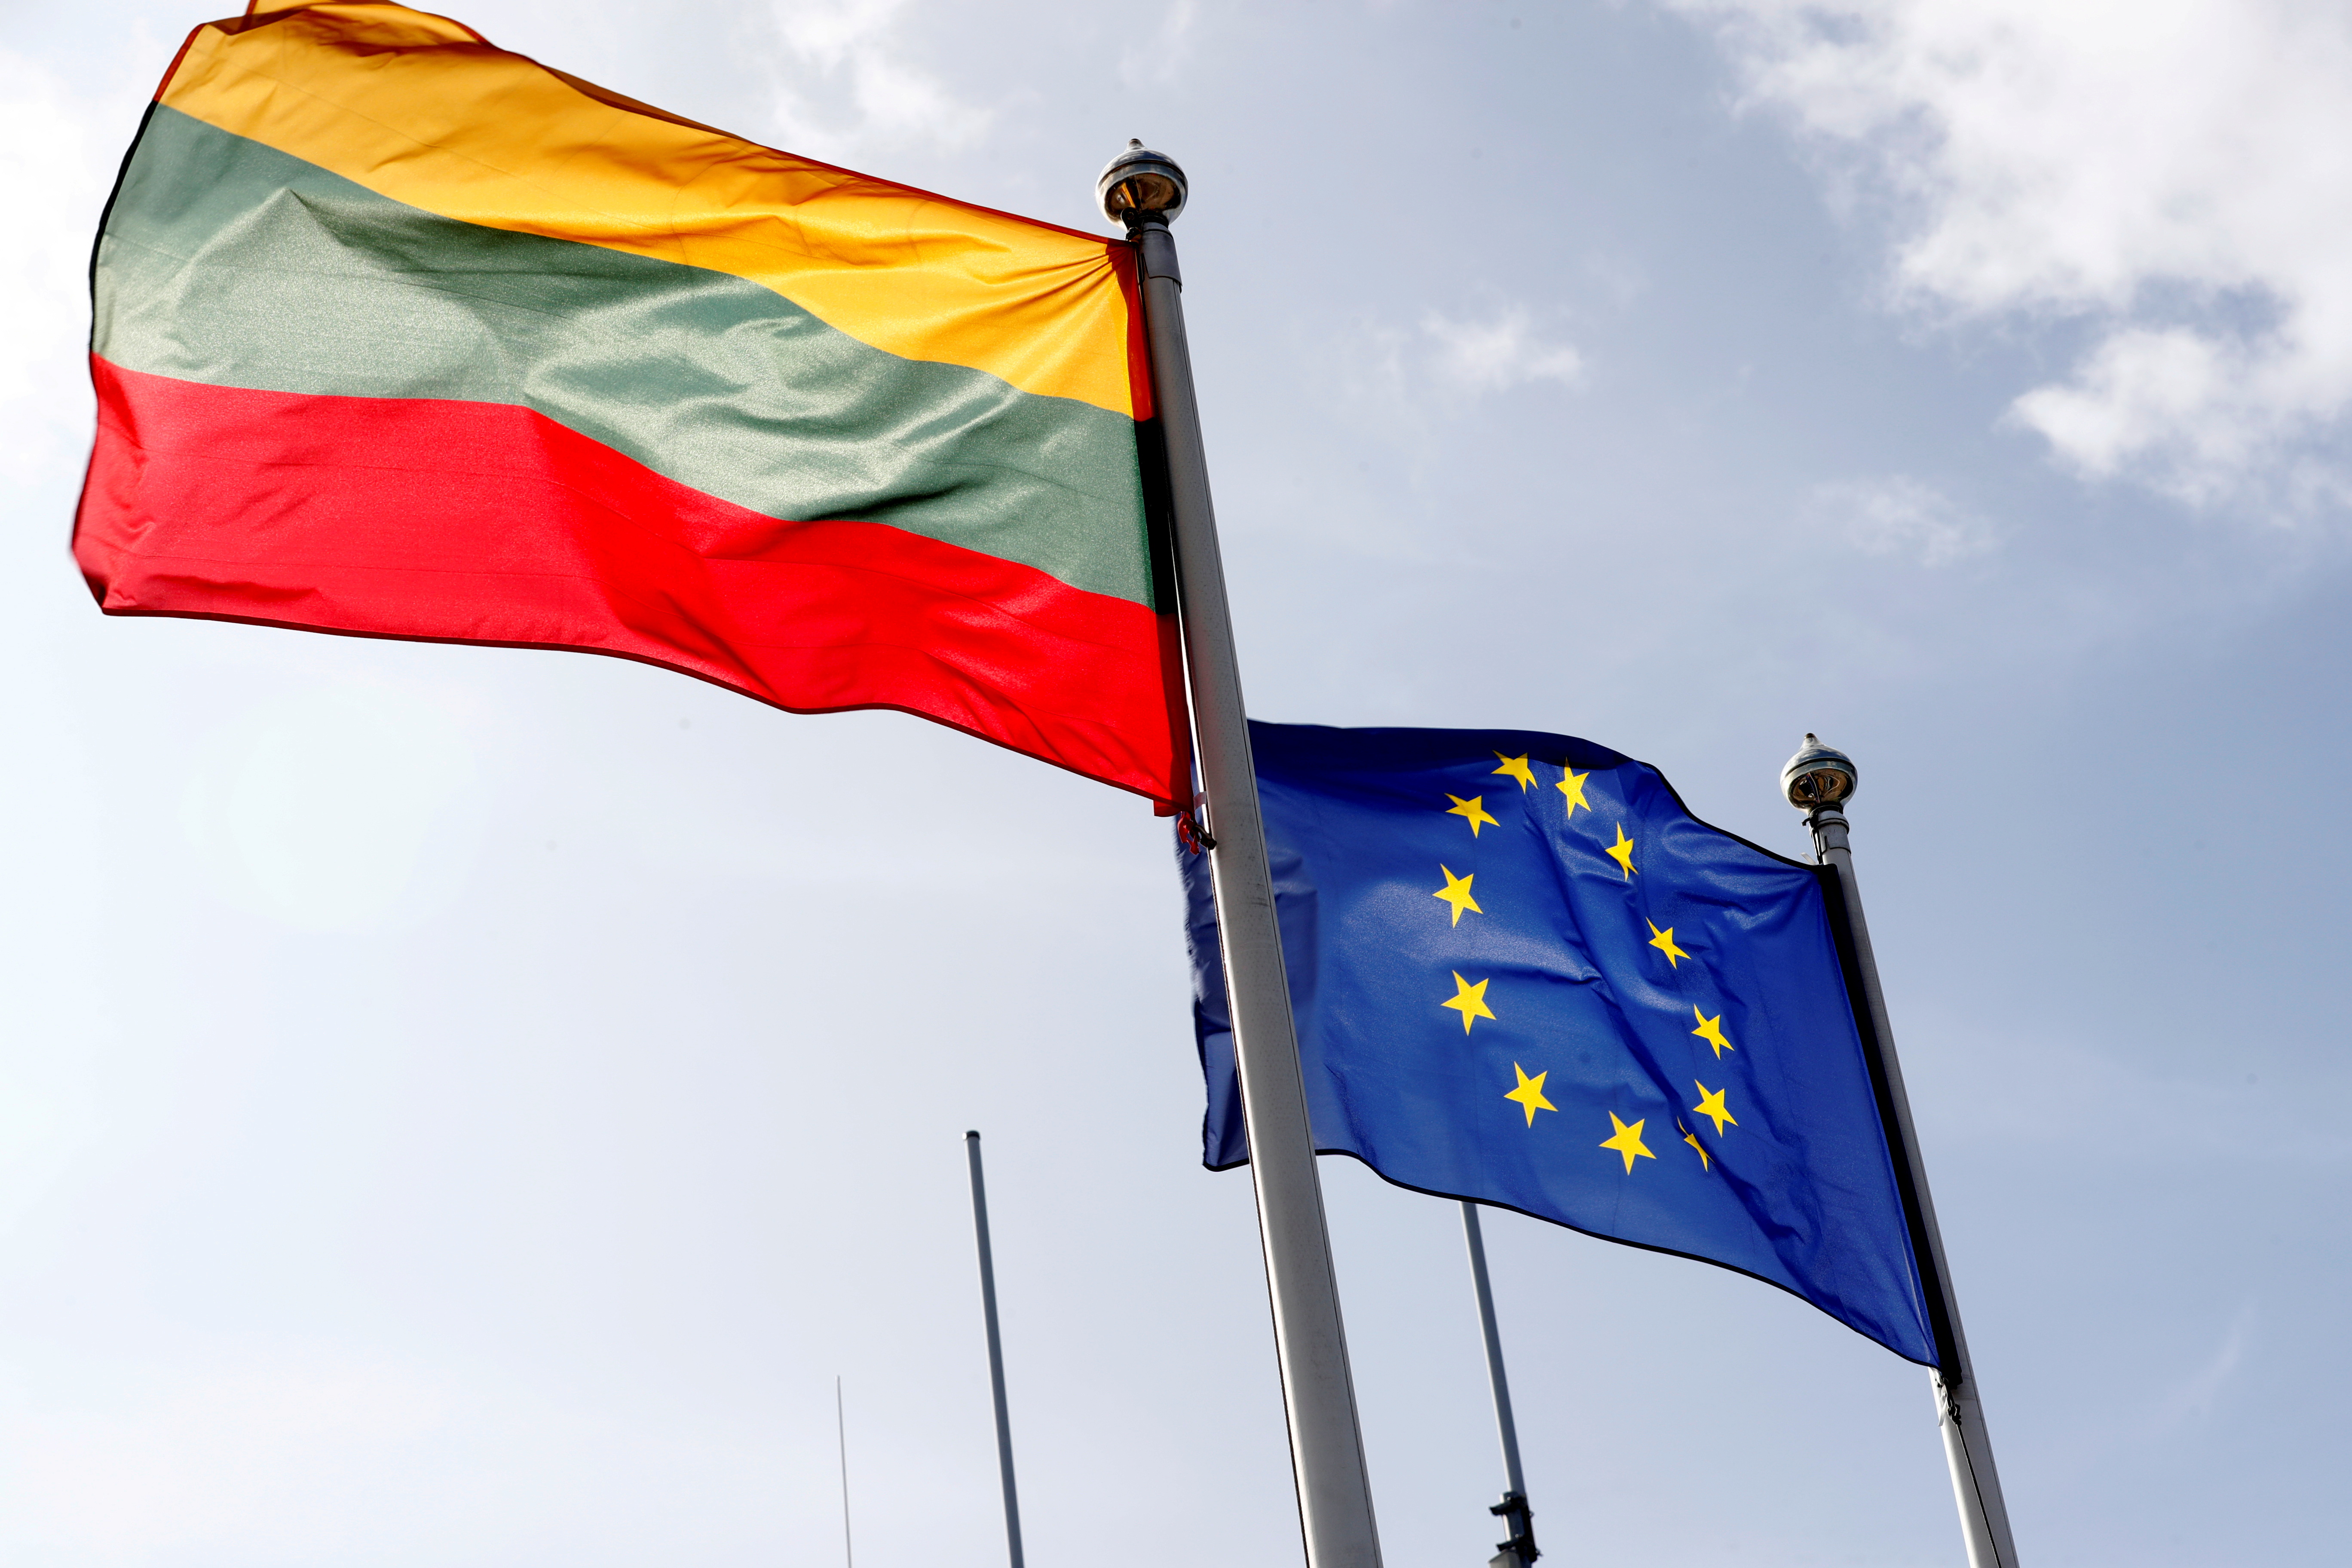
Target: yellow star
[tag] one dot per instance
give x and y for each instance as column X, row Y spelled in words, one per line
column 1711, row 1031
column 1663, row 940
column 1572, row 786
column 1469, row 1000
column 1456, row 892
column 1529, row 1094
column 1622, row 851
column 1692, row 1139
column 1710, row 1105
column 1516, row 767
column 1627, row 1140
column 1472, row 812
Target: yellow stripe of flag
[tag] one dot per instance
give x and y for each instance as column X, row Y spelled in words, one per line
column 419, row 109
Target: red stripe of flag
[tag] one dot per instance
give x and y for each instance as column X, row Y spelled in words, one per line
column 484, row 522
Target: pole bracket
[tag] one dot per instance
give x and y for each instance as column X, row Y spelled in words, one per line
column 1514, row 1511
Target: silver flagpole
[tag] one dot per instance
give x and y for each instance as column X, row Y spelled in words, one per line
column 1145, row 189
column 1520, row 1550
column 995, row 1349
column 1818, row 781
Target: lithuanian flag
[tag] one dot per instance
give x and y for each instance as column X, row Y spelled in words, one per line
column 398, row 334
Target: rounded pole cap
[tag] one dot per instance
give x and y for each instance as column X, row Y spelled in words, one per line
column 1140, row 184
column 1817, row 775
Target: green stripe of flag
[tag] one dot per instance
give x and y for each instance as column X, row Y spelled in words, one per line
column 234, row 264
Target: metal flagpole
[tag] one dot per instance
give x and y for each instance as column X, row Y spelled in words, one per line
column 1145, row 189
column 996, row 1348
column 1520, row 1550
column 1818, row 781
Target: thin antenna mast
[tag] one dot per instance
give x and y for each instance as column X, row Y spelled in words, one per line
column 841, row 1436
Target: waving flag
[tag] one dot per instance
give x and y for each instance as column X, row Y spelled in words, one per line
column 1524, row 974
column 401, row 335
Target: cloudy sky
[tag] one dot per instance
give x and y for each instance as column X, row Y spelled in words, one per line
column 465, row 1106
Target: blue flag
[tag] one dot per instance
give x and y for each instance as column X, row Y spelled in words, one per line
column 1524, row 974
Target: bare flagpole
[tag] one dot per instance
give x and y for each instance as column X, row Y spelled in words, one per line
column 995, row 1349
column 1519, row 1551
column 1145, row 189
column 1818, row 781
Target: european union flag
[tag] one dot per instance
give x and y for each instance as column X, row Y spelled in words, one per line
column 1524, row 974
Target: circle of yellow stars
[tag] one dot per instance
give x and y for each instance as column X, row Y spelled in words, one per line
column 1469, row 998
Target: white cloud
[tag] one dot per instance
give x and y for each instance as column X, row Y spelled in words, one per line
column 1898, row 515
column 1498, row 353
column 2169, row 172
column 856, row 89
column 1412, row 382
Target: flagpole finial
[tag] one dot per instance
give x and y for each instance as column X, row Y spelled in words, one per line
column 1818, row 776
column 1140, row 185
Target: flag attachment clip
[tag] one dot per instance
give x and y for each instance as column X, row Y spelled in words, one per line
column 1192, row 834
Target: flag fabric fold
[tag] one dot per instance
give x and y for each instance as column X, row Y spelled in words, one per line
column 1524, row 974
column 398, row 334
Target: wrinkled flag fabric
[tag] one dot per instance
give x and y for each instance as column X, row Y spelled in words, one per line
column 399, row 334
column 1525, row 975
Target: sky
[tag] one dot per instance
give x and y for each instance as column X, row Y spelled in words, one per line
column 468, row 1106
